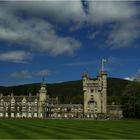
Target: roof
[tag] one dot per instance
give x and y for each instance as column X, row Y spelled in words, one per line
column 52, row 100
column 69, row 105
column 19, row 98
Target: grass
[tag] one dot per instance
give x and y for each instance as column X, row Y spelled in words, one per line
column 68, row 129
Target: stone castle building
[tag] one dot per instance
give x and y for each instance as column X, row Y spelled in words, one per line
column 42, row 106
column 39, row 106
column 26, row 106
column 95, row 94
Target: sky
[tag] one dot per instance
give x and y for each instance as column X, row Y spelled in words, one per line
column 59, row 40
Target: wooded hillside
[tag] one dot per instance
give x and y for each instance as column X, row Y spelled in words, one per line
column 70, row 91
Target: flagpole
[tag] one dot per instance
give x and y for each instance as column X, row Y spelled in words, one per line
column 102, row 65
column 103, row 61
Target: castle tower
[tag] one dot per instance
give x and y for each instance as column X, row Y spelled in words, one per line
column 42, row 100
column 92, row 102
column 102, row 78
column 43, row 93
column 85, row 79
column 95, row 92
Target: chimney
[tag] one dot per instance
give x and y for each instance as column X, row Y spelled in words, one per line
column 30, row 94
column 1, row 94
column 12, row 94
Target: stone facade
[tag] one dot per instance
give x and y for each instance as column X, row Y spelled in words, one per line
column 114, row 111
column 65, row 111
column 95, row 93
column 39, row 106
column 26, row 106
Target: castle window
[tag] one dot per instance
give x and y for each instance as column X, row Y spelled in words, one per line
column 65, row 109
column 91, row 97
column 35, row 109
column 1, row 100
column 78, row 109
column 91, row 90
column 35, row 102
column 1, row 108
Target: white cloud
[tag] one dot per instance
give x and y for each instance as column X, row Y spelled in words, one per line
column 122, row 14
column 43, row 73
column 93, row 35
column 101, row 12
column 82, row 63
column 129, row 78
column 65, row 11
column 30, row 23
column 124, row 34
column 34, row 33
column 24, row 74
column 15, row 56
column 136, row 76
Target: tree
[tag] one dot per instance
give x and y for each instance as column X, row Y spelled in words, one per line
column 113, row 99
column 131, row 100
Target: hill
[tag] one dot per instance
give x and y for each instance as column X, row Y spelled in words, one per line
column 70, row 91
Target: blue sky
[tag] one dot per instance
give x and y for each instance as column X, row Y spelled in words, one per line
column 59, row 40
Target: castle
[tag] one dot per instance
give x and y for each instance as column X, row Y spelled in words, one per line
column 42, row 106
column 95, row 94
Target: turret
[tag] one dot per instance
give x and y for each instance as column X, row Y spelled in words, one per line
column 104, row 92
column 1, row 95
column 42, row 100
column 102, row 80
column 12, row 94
column 42, row 93
column 85, row 78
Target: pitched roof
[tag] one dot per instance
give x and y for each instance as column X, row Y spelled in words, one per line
column 19, row 98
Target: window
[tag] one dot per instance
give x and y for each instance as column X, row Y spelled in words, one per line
column 65, row 109
column 91, row 97
column 79, row 109
column 1, row 108
column 95, row 109
column 35, row 103
column 91, row 90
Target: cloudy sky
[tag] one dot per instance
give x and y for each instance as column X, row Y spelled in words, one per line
column 61, row 39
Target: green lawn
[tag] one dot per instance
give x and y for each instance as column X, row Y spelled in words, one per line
column 63, row 129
